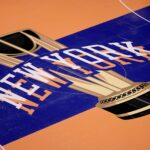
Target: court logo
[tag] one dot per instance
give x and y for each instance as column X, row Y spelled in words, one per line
column 2, row 148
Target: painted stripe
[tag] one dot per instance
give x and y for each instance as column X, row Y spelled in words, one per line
column 123, row 100
column 134, row 112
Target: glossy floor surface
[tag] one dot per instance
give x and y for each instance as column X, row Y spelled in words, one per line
column 94, row 129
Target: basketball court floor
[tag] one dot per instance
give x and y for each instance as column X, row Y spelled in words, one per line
column 94, row 129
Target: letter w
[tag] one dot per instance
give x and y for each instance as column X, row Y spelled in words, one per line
column 39, row 74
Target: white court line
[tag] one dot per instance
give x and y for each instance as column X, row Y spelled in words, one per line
column 2, row 148
column 121, row 1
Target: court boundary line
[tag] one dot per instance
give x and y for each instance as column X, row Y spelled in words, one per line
column 126, row 6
